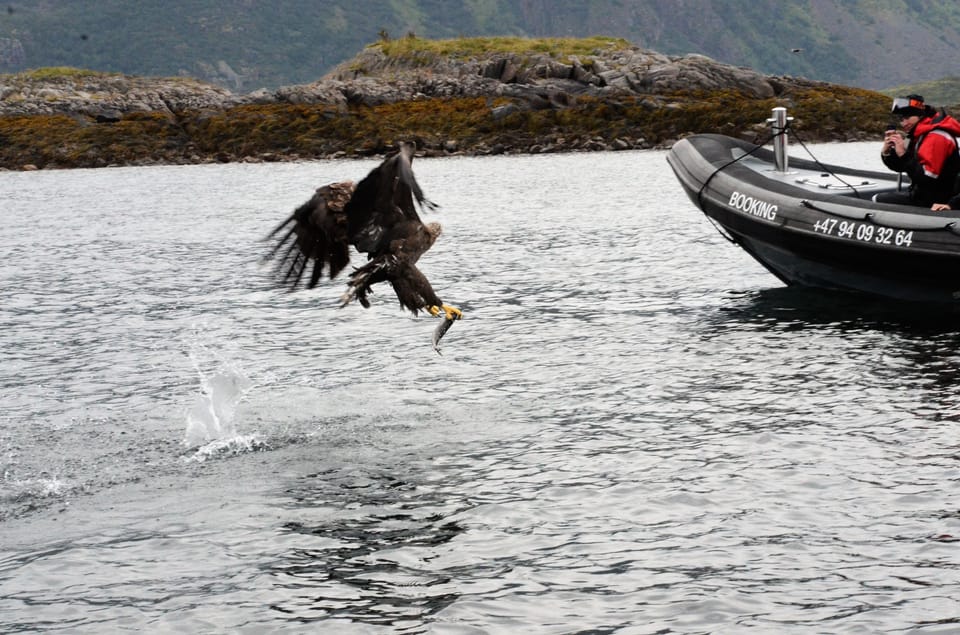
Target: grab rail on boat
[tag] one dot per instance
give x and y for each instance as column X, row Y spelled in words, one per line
column 779, row 123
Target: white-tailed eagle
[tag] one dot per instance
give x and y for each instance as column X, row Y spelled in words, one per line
column 378, row 216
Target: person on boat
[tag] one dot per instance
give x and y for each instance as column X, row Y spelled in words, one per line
column 953, row 203
column 926, row 151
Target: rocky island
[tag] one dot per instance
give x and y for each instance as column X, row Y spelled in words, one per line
column 463, row 96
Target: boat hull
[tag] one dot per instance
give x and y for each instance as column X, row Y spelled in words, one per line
column 815, row 225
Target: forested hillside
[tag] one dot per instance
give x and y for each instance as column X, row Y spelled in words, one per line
column 249, row 44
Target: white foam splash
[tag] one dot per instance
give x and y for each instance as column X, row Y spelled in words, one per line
column 53, row 487
column 231, row 447
column 50, row 487
column 223, row 385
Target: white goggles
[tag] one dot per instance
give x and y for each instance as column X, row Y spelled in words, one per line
column 906, row 102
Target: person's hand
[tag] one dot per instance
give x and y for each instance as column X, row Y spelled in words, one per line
column 940, row 207
column 888, row 142
column 893, row 143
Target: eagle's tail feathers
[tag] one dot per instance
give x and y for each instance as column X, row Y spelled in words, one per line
column 363, row 278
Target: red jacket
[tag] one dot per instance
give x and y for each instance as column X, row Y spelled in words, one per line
column 932, row 160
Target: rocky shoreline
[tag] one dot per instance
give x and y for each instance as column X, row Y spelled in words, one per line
column 620, row 97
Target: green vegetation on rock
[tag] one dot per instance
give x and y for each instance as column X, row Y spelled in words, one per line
column 412, row 47
column 286, row 131
column 484, row 124
column 57, row 73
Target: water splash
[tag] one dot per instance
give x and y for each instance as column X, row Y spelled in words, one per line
column 223, row 386
column 52, row 487
column 233, row 446
column 15, row 490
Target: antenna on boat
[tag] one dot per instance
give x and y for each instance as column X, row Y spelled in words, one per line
column 778, row 126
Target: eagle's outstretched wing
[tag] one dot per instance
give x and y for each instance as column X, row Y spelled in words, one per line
column 378, row 216
column 316, row 232
column 372, row 215
column 384, row 200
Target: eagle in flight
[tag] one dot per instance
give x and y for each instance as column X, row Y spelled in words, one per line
column 378, row 216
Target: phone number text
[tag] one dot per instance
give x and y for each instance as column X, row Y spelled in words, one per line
column 864, row 232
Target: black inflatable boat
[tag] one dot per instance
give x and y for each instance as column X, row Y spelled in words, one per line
column 815, row 225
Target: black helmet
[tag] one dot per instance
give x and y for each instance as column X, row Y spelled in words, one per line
column 909, row 106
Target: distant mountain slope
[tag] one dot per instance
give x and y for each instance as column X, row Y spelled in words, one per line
column 248, row 44
column 942, row 92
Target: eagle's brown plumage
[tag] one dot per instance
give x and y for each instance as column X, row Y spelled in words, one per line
column 378, row 216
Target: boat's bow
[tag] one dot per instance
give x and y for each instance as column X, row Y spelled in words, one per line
column 817, row 225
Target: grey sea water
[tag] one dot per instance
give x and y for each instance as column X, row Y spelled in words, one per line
column 634, row 430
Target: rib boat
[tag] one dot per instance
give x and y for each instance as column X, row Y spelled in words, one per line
column 816, row 225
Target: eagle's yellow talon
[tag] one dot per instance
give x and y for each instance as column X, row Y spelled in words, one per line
column 449, row 312
column 452, row 312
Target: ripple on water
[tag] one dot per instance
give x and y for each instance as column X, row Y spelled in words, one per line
column 633, row 430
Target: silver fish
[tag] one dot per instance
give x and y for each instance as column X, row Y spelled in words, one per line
column 439, row 332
